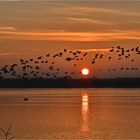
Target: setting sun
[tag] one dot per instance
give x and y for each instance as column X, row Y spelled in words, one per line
column 85, row 71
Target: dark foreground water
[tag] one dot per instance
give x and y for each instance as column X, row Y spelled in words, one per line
column 51, row 114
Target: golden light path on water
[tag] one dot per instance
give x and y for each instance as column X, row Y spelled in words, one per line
column 85, row 112
column 71, row 114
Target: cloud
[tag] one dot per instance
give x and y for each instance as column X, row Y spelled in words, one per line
column 94, row 21
column 7, row 28
column 95, row 50
column 8, row 53
column 24, row 51
column 71, row 36
column 106, row 10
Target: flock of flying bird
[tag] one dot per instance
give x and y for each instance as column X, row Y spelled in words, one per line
column 31, row 68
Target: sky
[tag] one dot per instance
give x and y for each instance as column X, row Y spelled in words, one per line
column 33, row 28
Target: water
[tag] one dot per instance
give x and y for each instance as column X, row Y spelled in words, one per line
column 98, row 114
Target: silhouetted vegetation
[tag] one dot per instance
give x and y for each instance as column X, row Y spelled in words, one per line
column 7, row 133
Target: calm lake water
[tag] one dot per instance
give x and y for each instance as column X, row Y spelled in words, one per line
column 68, row 114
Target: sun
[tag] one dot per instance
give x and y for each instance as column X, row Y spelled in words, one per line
column 85, row 71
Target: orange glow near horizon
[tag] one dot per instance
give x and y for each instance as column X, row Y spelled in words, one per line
column 91, row 28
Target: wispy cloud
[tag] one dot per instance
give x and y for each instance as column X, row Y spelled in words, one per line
column 8, row 53
column 95, row 9
column 71, row 36
column 90, row 20
column 7, row 28
column 106, row 10
column 95, row 50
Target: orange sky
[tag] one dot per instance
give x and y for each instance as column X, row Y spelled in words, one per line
column 33, row 28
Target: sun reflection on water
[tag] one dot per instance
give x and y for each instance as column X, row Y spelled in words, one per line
column 85, row 113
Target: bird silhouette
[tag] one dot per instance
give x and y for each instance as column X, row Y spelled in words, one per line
column 48, row 55
column 40, row 57
column 85, row 54
column 109, row 58
column 69, row 59
column 65, row 50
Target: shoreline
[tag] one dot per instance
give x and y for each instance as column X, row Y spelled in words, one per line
column 71, row 83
